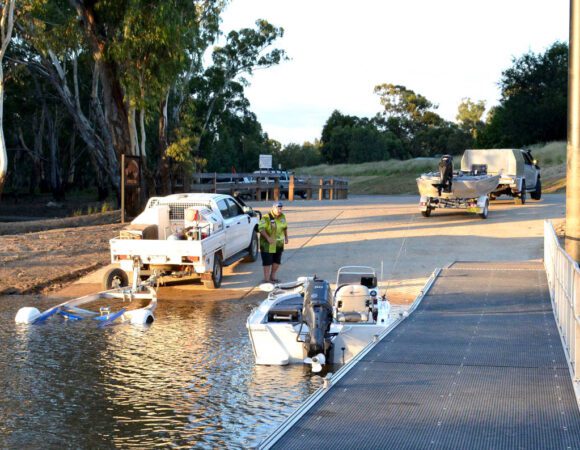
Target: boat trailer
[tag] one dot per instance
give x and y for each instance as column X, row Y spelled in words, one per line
column 71, row 310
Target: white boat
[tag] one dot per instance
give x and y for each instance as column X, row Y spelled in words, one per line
column 304, row 322
column 464, row 185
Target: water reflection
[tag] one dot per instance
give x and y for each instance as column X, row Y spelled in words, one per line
column 187, row 381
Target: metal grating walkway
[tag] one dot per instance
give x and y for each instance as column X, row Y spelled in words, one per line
column 478, row 365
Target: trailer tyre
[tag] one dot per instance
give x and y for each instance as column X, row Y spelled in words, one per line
column 537, row 194
column 252, row 248
column 485, row 211
column 115, row 277
column 520, row 199
column 216, row 275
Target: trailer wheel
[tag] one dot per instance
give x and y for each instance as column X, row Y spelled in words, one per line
column 115, row 278
column 426, row 213
column 252, row 248
column 537, row 194
column 485, row 211
column 216, row 274
column 520, row 199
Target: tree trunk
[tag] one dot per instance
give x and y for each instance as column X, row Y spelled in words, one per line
column 3, row 152
column 164, row 162
column 6, row 26
column 116, row 112
column 56, row 185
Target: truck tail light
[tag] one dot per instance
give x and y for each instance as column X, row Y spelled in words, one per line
column 121, row 257
column 190, row 259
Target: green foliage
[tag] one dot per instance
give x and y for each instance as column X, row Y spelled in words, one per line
column 180, row 152
column 295, row 155
column 533, row 106
column 398, row 101
column 469, row 115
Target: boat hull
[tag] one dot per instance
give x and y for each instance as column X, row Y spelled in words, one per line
column 464, row 186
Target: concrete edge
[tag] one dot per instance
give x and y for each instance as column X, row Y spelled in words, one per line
column 330, row 380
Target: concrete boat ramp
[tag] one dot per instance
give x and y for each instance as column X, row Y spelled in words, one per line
column 478, row 365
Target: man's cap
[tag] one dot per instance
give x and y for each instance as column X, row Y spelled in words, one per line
column 277, row 205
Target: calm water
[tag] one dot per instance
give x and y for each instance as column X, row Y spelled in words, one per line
column 188, row 381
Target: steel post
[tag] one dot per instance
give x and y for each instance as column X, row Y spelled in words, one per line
column 573, row 147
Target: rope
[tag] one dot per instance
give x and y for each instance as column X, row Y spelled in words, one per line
column 403, row 242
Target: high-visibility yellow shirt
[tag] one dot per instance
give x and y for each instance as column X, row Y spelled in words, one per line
column 274, row 226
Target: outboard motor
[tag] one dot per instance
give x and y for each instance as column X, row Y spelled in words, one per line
column 317, row 314
column 446, row 171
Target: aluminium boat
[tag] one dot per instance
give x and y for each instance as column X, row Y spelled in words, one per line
column 464, row 185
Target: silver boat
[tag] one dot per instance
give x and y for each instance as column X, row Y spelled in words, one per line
column 464, row 185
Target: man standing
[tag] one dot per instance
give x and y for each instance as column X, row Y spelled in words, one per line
column 274, row 234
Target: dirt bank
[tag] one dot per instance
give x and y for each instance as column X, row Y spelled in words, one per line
column 46, row 260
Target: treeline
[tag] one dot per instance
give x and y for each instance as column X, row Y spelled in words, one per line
column 86, row 82
column 532, row 110
column 89, row 81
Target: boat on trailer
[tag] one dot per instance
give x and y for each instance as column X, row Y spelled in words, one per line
column 456, row 189
column 305, row 322
column 97, row 306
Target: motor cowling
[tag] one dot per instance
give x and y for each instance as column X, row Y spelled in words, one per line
column 446, row 172
column 317, row 315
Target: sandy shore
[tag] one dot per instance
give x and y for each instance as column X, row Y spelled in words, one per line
column 379, row 231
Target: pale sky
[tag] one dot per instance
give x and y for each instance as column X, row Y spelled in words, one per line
column 445, row 50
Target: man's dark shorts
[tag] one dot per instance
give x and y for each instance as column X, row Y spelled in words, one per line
column 269, row 258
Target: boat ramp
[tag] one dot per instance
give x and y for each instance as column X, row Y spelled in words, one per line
column 479, row 364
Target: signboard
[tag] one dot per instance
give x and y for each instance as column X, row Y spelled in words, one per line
column 265, row 162
column 132, row 170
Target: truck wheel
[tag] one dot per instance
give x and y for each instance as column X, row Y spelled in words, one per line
column 485, row 211
column 537, row 194
column 520, row 199
column 252, row 249
column 216, row 274
column 115, row 278
column 426, row 213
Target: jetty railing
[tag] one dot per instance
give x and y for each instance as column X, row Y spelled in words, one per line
column 269, row 186
column 563, row 275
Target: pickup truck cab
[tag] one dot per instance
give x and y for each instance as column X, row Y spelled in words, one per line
column 519, row 171
column 187, row 235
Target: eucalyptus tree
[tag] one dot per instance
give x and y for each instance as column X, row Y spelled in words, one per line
column 6, row 27
column 469, row 116
column 244, row 52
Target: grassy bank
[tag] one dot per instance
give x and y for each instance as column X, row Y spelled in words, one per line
column 398, row 177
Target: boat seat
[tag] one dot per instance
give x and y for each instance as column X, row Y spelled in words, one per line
column 352, row 303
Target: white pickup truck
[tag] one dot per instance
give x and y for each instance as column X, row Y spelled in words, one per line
column 185, row 235
column 519, row 171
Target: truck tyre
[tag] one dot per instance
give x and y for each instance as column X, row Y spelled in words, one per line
column 520, row 199
column 252, row 248
column 216, row 274
column 426, row 213
column 485, row 211
column 115, row 277
column 537, row 194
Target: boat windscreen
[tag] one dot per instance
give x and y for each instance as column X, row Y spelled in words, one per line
column 366, row 279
